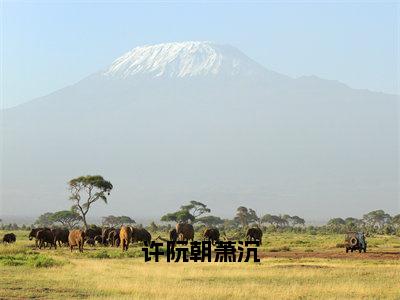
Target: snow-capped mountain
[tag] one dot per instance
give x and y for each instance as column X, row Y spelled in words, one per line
column 185, row 59
column 196, row 120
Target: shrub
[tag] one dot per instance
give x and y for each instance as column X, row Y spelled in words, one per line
column 41, row 261
column 100, row 255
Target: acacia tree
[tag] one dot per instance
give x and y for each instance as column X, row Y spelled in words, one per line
column 353, row 224
column 336, row 224
column 292, row 220
column 187, row 213
column 242, row 215
column 45, row 220
column 245, row 216
column 179, row 216
column 274, row 220
column 86, row 190
column 67, row 218
column 296, row 220
column 196, row 208
column 113, row 221
column 210, row 221
column 376, row 218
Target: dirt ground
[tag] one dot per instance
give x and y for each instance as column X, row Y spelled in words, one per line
column 374, row 255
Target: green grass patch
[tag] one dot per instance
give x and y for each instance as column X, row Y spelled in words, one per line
column 31, row 260
column 113, row 253
column 103, row 254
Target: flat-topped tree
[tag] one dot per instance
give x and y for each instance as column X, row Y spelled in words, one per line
column 187, row 213
column 196, row 208
column 178, row 216
column 86, row 190
column 210, row 221
column 67, row 218
column 113, row 221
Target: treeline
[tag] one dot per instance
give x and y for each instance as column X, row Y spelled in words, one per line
column 198, row 214
column 14, row 226
column 375, row 222
column 85, row 191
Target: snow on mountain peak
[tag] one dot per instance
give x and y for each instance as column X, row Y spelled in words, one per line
column 184, row 59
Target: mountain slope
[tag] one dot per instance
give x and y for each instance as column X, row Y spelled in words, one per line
column 175, row 122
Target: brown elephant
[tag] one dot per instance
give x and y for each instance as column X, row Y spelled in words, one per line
column 185, row 231
column 254, row 234
column 76, row 238
column 140, row 235
column 125, row 236
column 211, row 234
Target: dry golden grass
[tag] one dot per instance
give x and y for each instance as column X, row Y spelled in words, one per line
column 81, row 276
column 272, row 279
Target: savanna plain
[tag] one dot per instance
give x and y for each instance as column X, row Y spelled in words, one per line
column 293, row 266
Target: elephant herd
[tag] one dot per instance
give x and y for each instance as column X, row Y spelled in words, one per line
column 185, row 232
column 52, row 237
column 115, row 237
column 108, row 236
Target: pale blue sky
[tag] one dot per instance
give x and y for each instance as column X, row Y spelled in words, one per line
column 48, row 45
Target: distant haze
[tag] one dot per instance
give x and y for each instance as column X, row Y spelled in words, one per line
column 176, row 122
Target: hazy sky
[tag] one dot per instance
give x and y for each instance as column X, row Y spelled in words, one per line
column 46, row 46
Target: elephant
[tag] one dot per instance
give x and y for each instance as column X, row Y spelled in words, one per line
column 211, row 234
column 9, row 238
column 255, row 234
column 185, row 231
column 125, row 236
column 76, row 238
